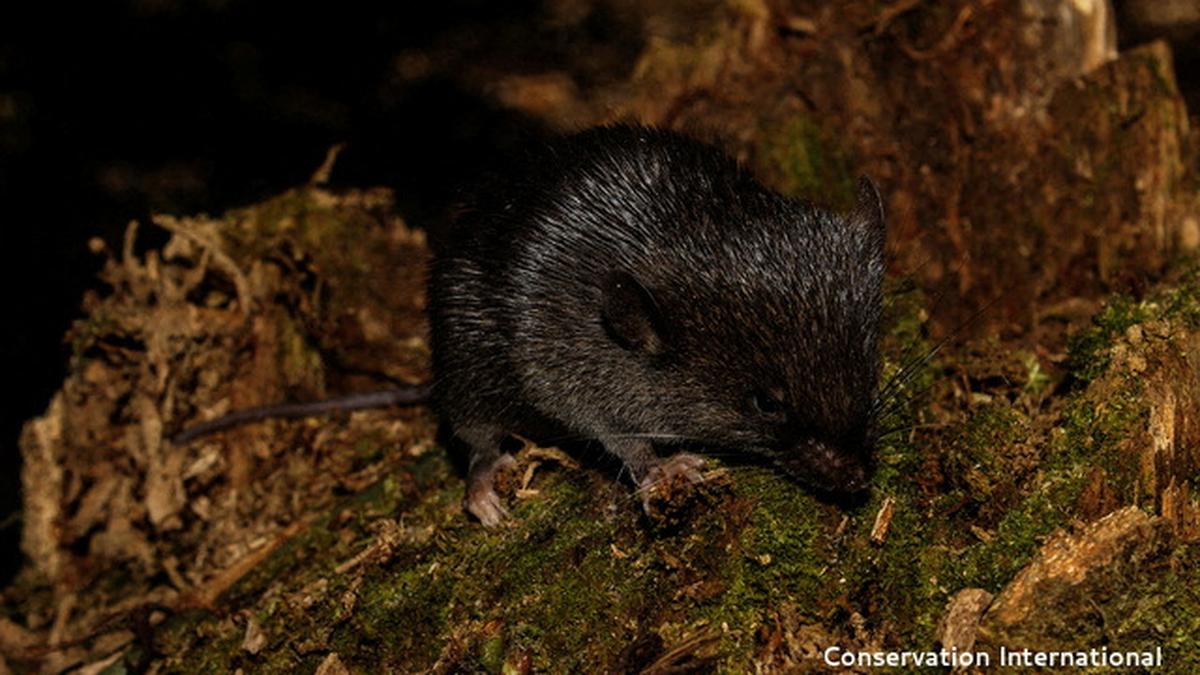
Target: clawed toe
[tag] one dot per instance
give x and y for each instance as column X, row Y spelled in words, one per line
column 690, row 467
column 481, row 500
column 664, row 475
column 486, row 506
column 687, row 465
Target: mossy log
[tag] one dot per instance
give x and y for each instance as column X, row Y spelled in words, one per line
column 347, row 536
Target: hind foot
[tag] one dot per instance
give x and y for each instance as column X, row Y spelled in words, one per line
column 481, row 500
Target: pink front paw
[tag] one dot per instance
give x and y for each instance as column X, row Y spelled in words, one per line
column 669, row 478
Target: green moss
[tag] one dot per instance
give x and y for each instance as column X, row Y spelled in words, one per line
column 492, row 654
column 1161, row 607
column 978, row 458
column 1093, row 435
column 578, row 574
column 779, row 555
column 1156, row 62
column 896, row 581
column 1088, row 355
column 909, row 574
column 991, row 564
column 297, row 212
column 803, row 163
column 782, row 538
column 400, row 617
column 906, row 354
column 546, row 571
column 930, row 551
column 195, row 643
column 1088, row 350
column 1182, row 300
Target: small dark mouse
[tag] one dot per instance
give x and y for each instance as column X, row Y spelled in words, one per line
column 641, row 289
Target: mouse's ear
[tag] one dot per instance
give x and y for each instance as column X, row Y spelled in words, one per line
column 631, row 316
column 868, row 212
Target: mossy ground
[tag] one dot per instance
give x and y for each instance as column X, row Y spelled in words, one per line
column 395, row 578
column 579, row 579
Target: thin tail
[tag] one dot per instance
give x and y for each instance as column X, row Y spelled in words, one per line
column 414, row 394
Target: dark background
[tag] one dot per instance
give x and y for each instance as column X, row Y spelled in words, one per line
column 112, row 110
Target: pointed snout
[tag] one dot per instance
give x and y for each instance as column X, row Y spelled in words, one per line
column 831, row 468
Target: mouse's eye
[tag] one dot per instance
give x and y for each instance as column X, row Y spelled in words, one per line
column 768, row 402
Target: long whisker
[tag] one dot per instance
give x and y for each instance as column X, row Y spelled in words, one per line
column 910, row 358
column 887, row 396
column 910, row 427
